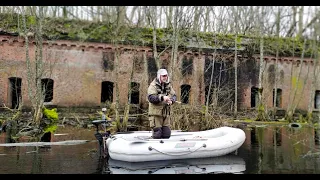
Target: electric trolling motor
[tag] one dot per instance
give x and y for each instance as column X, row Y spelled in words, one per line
column 100, row 136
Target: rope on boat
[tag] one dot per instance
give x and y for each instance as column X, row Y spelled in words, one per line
column 170, row 154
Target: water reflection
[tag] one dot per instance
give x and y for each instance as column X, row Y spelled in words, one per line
column 65, row 159
column 277, row 136
column 253, row 136
column 224, row 164
column 266, row 150
column 281, row 149
column 317, row 136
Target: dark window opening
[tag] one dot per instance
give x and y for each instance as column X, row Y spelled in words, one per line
column 134, row 93
column 254, row 97
column 185, row 93
column 47, row 87
column 207, row 71
column 15, row 91
column 108, row 60
column 187, row 65
column 210, row 94
column 317, row 99
column 279, row 98
column 271, row 75
column 106, row 91
column 218, row 73
column 152, row 69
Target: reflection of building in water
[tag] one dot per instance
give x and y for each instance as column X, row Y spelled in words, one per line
column 223, row 164
column 283, row 150
column 316, row 137
column 277, row 136
column 253, row 136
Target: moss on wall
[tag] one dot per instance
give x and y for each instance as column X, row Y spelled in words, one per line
column 81, row 30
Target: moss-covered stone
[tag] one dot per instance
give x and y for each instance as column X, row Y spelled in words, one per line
column 52, row 115
column 81, row 30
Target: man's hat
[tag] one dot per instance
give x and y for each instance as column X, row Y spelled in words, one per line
column 162, row 72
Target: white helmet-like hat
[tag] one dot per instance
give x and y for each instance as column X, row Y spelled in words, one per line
column 162, row 72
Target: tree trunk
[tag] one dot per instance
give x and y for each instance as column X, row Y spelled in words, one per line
column 276, row 65
column 64, row 12
column 174, row 52
column 121, row 12
column 315, row 76
column 291, row 107
column 300, row 24
column 169, row 17
column 235, row 77
column 134, row 8
column 128, row 106
column 196, row 18
column 210, row 84
column 151, row 13
column 262, row 109
column 207, row 20
column 35, row 72
column 117, row 109
column 294, row 22
column 160, row 18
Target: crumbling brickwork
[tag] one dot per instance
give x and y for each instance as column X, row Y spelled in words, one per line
column 79, row 68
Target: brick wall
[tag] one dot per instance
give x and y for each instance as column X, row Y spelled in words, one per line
column 77, row 70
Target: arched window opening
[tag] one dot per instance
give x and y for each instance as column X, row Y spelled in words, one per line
column 106, row 91
column 185, row 93
column 254, row 97
column 134, row 93
column 47, row 86
column 14, row 91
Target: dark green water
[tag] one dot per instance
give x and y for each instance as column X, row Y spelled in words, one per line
column 267, row 150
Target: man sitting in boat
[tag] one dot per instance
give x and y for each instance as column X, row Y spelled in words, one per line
column 160, row 96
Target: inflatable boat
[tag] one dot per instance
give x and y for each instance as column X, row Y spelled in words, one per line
column 214, row 165
column 139, row 146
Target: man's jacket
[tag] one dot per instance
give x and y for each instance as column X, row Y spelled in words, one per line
column 156, row 91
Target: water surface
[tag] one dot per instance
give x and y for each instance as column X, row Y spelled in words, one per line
column 267, row 150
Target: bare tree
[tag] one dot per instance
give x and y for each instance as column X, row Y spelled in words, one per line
column 35, row 71
column 134, row 9
column 211, row 78
column 236, row 26
column 292, row 103
column 300, row 24
column 196, row 18
column 169, row 15
column 151, row 13
column 116, row 37
column 294, row 22
column 206, row 26
column 315, row 73
column 175, row 40
column 278, row 22
column 261, row 107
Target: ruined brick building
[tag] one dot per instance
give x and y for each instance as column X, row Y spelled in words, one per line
column 82, row 75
